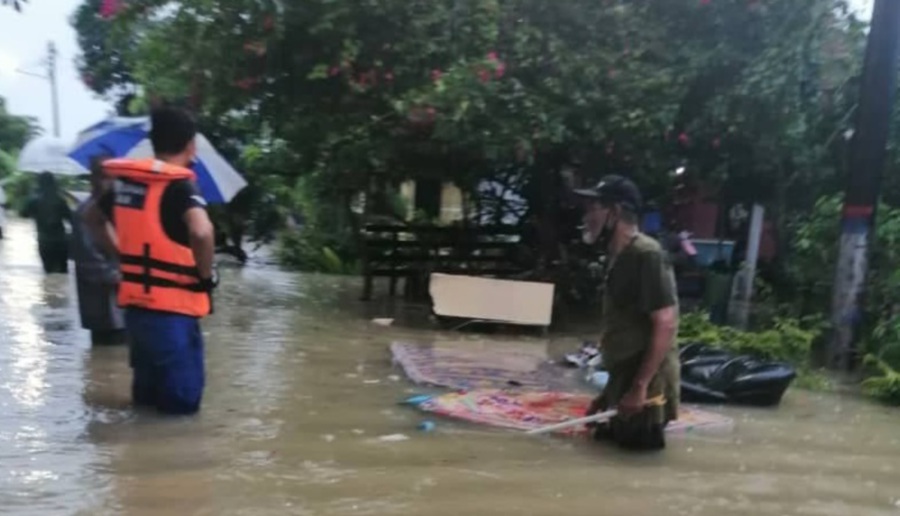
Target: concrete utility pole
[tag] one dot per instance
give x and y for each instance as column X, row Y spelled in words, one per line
column 868, row 151
column 742, row 291
column 51, row 76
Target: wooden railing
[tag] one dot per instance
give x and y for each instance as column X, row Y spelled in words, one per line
column 412, row 253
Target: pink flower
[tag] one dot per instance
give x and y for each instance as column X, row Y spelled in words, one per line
column 492, row 56
column 684, row 139
column 110, row 8
column 500, row 70
column 484, row 75
column 246, row 83
column 436, row 75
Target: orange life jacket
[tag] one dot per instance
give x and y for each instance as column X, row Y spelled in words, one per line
column 157, row 272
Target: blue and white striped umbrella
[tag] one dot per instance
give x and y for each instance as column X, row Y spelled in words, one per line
column 124, row 137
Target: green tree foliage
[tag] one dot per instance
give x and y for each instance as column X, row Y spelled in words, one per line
column 15, row 131
column 753, row 95
column 750, row 91
column 103, row 61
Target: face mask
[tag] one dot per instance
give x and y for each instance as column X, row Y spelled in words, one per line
column 604, row 237
column 606, row 233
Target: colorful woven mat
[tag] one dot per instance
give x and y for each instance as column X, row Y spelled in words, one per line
column 468, row 365
column 530, row 410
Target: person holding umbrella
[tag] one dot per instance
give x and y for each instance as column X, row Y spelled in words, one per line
column 155, row 220
column 639, row 321
column 50, row 212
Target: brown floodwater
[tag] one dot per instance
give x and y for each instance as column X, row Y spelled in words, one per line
column 300, row 386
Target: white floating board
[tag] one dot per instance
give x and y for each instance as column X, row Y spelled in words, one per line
column 506, row 301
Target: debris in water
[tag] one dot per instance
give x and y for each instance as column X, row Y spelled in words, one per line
column 426, row 426
column 358, row 431
column 383, row 322
column 394, row 378
column 393, row 438
column 328, row 438
column 371, row 382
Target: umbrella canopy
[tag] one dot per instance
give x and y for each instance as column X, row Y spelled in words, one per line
column 48, row 154
column 127, row 137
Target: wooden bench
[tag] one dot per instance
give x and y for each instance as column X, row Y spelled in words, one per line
column 414, row 252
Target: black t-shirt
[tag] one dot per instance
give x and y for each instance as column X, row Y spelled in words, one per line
column 178, row 198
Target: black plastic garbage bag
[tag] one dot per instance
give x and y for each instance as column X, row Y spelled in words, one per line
column 710, row 375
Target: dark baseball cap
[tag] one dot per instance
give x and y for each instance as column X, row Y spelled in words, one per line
column 614, row 190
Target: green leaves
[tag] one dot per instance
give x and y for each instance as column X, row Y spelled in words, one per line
column 320, row 71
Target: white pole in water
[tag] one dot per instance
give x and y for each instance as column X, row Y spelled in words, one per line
column 742, row 294
column 596, row 418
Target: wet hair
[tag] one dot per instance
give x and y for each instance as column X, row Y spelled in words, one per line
column 46, row 182
column 171, row 130
column 97, row 162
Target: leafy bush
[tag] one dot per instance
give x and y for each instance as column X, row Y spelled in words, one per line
column 306, row 251
column 788, row 340
column 18, row 187
column 886, row 385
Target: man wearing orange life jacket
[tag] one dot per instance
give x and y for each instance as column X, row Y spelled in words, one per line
column 155, row 220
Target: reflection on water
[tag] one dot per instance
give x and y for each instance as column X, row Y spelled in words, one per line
column 299, row 388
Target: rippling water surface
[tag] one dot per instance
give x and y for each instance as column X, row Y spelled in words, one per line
column 300, row 386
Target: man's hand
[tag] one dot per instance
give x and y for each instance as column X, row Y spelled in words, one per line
column 594, row 407
column 209, row 284
column 634, row 400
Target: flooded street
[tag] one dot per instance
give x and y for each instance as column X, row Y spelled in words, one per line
column 300, row 385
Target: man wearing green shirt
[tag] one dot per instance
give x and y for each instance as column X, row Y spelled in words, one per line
column 639, row 322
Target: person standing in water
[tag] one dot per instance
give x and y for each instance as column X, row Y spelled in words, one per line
column 155, row 220
column 639, row 321
column 96, row 273
column 50, row 213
